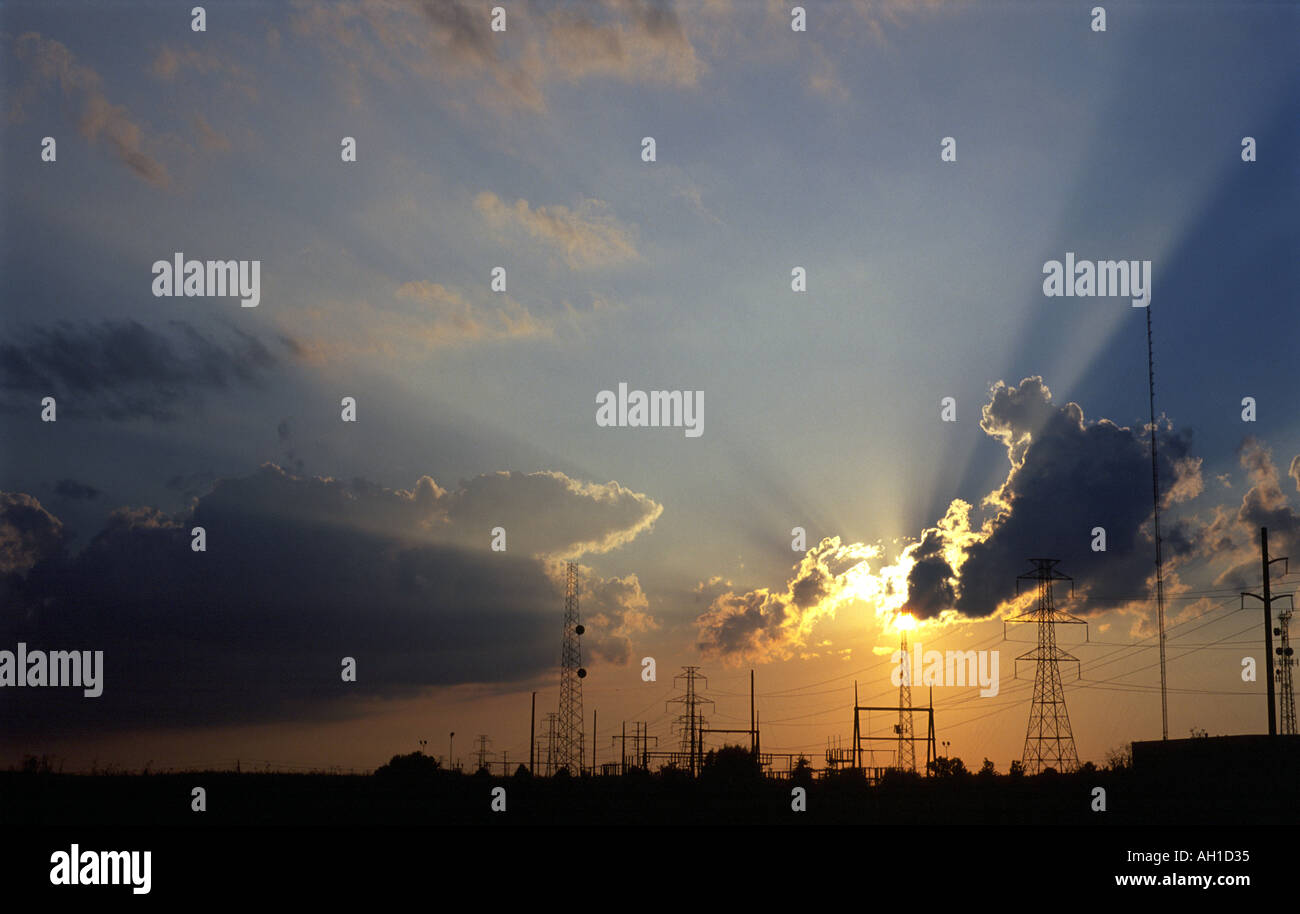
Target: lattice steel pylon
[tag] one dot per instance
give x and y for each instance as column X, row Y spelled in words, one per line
column 569, row 730
column 1048, row 741
column 1285, row 661
column 906, row 740
column 691, row 724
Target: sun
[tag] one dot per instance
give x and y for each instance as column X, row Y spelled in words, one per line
column 904, row 622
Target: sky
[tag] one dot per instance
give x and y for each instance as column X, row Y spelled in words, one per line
column 475, row 408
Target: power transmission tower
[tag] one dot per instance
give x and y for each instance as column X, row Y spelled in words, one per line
column 1048, row 741
column 1285, row 660
column 1267, row 599
column 906, row 740
column 569, row 750
column 483, row 752
column 690, row 723
column 1160, row 565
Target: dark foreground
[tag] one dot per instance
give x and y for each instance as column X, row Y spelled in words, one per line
column 439, row 798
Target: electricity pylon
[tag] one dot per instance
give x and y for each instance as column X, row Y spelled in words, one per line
column 1048, row 741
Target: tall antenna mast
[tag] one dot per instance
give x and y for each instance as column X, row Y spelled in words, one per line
column 1160, row 565
column 569, row 732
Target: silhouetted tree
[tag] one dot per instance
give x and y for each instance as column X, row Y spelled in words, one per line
column 1120, row 758
column 988, row 769
column 1017, row 769
column 730, row 763
column 802, row 773
column 943, row 767
column 415, row 764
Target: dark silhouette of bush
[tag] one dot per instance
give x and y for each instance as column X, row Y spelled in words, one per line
column 944, row 767
column 730, row 763
column 988, row 769
column 416, row 764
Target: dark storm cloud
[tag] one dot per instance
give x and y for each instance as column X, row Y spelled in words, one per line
column 930, row 583
column 125, row 370
column 298, row 574
column 1068, row 477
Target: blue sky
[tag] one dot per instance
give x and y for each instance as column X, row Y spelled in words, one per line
column 775, row 149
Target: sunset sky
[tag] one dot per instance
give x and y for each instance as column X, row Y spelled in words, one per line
column 475, row 409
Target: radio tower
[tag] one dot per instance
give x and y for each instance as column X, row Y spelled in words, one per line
column 906, row 743
column 569, row 750
column 1048, row 741
column 1285, row 660
column 1160, row 565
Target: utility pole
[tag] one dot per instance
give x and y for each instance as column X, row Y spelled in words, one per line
column 753, row 742
column 532, row 737
column 1049, row 741
column 551, row 718
column 637, row 737
column 641, row 743
column 483, row 752
column 1267, row 599
column 1155, row 502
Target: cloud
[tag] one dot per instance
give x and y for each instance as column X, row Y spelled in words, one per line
column 450, row 45
column 1265, row 504
column 171, row 62
column 691, row 194
column 124, row 370
column 28, row 533
column 209, row 137
column 299, row 573
column 1067, row 477
column 548, row 515
column 439, row 317
column 588, row 237
column 50, row 64
column 631, row 40
column 450, row 318
column 614, row 611
column 762, row 625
